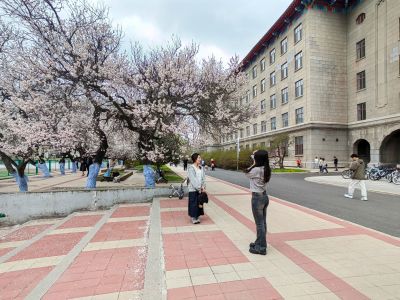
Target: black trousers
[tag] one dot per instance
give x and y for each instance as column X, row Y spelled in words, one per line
column 194, row 211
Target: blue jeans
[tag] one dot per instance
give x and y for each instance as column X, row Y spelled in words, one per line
column 259, row 204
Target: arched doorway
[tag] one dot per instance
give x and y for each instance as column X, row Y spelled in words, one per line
column 363, row 149
column 390, row 148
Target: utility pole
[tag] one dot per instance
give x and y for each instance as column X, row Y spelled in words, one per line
column 237, row 153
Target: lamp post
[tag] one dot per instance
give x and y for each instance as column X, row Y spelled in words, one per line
column 237, row 153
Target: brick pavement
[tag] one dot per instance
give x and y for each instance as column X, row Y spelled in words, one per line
column 104, row 254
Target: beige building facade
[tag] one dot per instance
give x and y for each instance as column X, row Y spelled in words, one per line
column 328, row 74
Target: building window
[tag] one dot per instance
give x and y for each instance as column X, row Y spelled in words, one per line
column 241, row 133
column 298, row 145
column 298, row 33
column 248, row 96
column 263, row 85
column 299, row 88
column 236, row 136
column 254, row 146
column 285, row 120
column 272, row 79
column 284, row 46
column 247, row 130
column 262, row 145
column 361, row 111
column 263, row 126
column 285, row 95
column 299, row 115
column 272, row 56
column 360, row 48
column 254, row 128
column 262, row 65
column 262, row 106
column 273, row 123
column 272, row 101
column 254, row 72
column 298, row 61
column 254, row 91
column 284, row 71
column 361, row 80
column 360, row 18
column 247, row 146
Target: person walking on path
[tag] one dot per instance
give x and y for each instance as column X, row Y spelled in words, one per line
column 316, row 161
column 324, row 166
column 196, row 178
column 335, row 162
column 61, row 163
column 185, row 163
column 89, row 162
column 320, row 164
column 83, row 166
column 357, row 178
column 259, row 175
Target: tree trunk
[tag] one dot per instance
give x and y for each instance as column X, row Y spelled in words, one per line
column 94, row 168
column 45, row 170
column 73, row 162
column 18, row 172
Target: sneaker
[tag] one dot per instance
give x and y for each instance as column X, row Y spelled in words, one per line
column 364, row 199
column 348, row 196
column 194, row 220
column 261, row 252
column 197, row 221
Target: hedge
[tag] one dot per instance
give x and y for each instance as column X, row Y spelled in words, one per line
column 227, row 159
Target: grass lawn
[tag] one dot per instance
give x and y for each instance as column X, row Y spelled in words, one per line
column 170, row 175
column 4, row 173
column 288, row 170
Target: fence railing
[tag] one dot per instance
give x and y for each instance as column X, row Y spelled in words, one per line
column 52, row 164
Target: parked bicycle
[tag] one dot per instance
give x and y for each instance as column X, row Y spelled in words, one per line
column 346, row 174
column 380, row 172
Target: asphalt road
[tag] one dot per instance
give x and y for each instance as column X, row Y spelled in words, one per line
column 381, row 212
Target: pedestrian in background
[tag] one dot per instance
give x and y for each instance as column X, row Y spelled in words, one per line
column 357, row 178
column 61, row 163
column 316, row 161
column 324, row 166
column 185, row 163
column 83, row 166
column 196, row 186
column 259, row 174
column 89, row 162
column 335, row 162
column 320, row 164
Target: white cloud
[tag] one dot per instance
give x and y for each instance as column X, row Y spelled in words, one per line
column 207, row 50
column 137, row 29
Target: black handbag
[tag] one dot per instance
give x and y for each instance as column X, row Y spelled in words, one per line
column 203, row 198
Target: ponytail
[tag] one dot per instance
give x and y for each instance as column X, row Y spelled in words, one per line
column 267, row 170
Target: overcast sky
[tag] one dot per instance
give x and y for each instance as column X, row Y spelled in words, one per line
column 221, row 27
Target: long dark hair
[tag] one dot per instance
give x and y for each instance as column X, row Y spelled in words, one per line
column 195, row 156
column 261, row 160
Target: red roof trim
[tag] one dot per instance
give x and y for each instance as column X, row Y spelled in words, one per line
column 279, row 24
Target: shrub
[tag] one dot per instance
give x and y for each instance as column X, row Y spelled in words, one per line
column 227, row 159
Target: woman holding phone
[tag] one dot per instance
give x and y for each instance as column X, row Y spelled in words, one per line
column 259, row 174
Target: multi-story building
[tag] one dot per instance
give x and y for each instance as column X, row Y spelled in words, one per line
column 328, row 74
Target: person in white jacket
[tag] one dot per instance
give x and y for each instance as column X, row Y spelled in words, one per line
column 196, row 186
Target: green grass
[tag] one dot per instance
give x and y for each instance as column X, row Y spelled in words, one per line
column 4, row 173
column 170, row 175
column 288, row 170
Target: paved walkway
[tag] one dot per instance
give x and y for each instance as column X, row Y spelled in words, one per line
column 152, row 251
column 379, row 186
column 68, row 181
